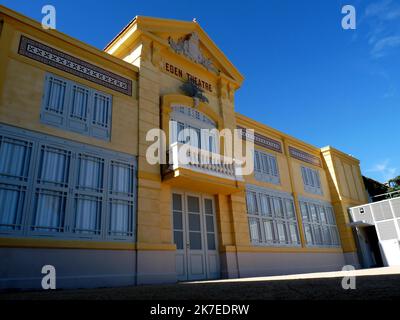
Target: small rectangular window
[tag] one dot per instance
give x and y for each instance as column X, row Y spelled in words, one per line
column 54, row 166
column 90, row 173
column 269, row 231
column 74, row 107
column 254, row 225
column 210, row 227
column 87, row 214
column 14, row 158
column 55, row 97
column 120, row 218
column 50, row 188
column 121, row 179
column 121, row 191
column 290, row 214
column 180, row 137
column 311, row 180
column 54, row 101
column 281, row 231
column 265, row 205
column 319, row 224
column 304, row 212
column 101, row 115
column 11, row 206
column 275, row 223
column 266, row 167
column 79, row 109
column 252, row 203
column 49, row 210
column 278, row 208
column 293, row 233
column 79, row 103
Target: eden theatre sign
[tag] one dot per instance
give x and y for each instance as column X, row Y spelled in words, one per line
column 178, row 72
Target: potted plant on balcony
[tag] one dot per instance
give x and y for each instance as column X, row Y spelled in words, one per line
column 191, row 89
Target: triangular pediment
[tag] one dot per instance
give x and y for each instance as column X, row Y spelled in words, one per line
column 186, row 39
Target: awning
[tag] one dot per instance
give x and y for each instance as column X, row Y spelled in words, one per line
column 360, row 223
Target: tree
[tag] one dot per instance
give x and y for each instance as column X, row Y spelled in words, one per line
column 375, row 188
column 394, row 184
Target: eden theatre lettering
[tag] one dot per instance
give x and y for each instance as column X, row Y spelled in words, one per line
column 178, row 72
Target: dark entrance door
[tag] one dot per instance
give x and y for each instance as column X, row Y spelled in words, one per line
column 372, row 238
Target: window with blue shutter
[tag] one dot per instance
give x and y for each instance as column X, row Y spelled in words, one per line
column 311, row 180
column 266, row 167
column 74, row 107
column 319, row 224
column 200, row 135
column 54, row 101
column 121, row 191
column 15, row 164
column 272, row 217
column 101, row 115
column 79, row 109
column 52, row 187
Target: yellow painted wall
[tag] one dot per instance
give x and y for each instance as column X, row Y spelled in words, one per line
column 297, row 177
column 22, row 85
column 340, row 176
column 345, row 175
column 285, row 160
column 347, row 189
column 146, row 48
column 283, row 166
column 150, row 52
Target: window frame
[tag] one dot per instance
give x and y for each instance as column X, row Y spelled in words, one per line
column 71, row 190
column 311, row 180
column 274, row 219
column 65, row 119
column 320, row 208
column 189, row 118
column 266, row 167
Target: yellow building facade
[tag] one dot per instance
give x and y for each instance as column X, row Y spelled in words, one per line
column 78, row 192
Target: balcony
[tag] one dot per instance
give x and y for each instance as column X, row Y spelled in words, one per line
column 189, row 166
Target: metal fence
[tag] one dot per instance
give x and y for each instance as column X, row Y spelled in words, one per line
column 385, row 215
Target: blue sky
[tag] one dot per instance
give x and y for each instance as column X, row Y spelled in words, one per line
column 304, row 74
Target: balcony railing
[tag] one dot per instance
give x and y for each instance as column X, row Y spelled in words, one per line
column 389, row 195
column 203, row 161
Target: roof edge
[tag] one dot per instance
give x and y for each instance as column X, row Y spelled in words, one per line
column 279, row 133
column 64, row 37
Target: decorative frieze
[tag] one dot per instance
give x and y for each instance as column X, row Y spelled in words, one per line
column 63, row 61
column 304, row 156
column 261, row 140
column 189, row 46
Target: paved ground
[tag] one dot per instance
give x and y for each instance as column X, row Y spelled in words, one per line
column 381, row 283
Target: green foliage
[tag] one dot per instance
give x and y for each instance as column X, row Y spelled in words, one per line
column 394, row 184
column 374, row 187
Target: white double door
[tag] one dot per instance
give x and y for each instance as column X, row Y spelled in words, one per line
column 194, row 226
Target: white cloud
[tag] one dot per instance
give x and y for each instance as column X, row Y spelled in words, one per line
column 381, row 47
column 381, row 29
column 384, row 10
column 384, row 170
column 383, row 36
